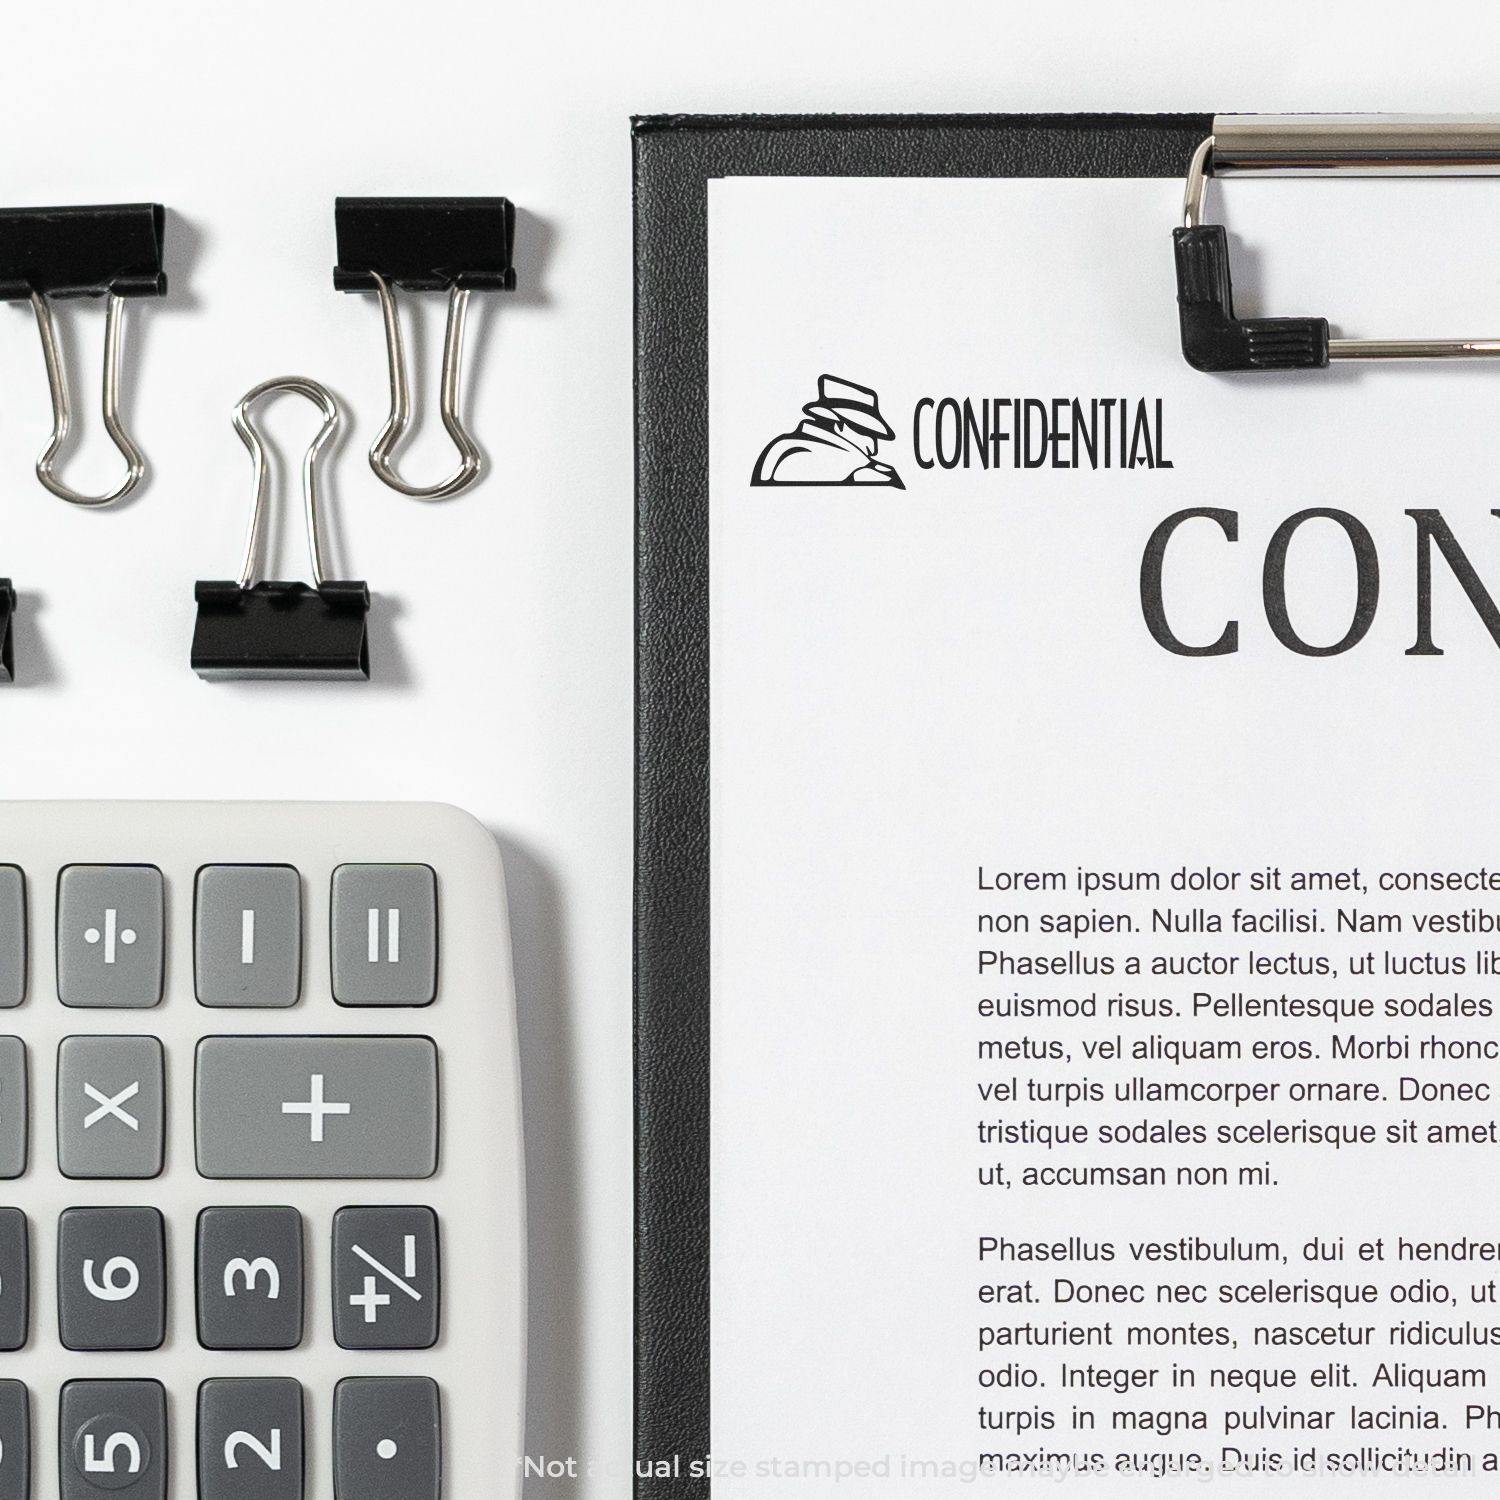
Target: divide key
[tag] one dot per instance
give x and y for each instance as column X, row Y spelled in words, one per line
column 317, row 1106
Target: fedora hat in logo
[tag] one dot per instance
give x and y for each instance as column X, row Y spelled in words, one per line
column 844, row 401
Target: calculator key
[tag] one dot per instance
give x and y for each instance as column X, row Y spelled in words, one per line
column 250, row 1278
column 317, row 1106
column 111, row 1278
column 387, row 1439
column 113, row 1438
column 110, row 936
column 110, row 1108
column 248, row 935
column 12, row 936
column 15, row 1441
column 15, row 1283
column 384, row 935
column 385, row 1278
column 14, row 1107
column 250, row 1440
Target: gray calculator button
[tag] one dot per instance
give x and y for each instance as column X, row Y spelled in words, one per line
column 12, row 936
column 110, row 1106
column 112, row 1439
column 14, row 1106
column 317, row 1106
column 250, row 1278
column 15, row 1441
column 387, row 1439
column 250, row 1440
column 110, row 935
column 385, row 1278
column 384, row 935
column 111, row 1278
column 248, row 935
column 15, row 1284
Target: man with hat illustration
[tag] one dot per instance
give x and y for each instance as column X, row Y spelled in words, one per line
column 836, row 445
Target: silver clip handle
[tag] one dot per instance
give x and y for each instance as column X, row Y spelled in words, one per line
column 322, row 398
column 1351, row 146
column 1357, row 145
column 62, row 407
column 450, row 399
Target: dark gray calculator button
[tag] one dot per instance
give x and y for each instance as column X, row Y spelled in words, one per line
column 385, row 1278
column 15, row 1282
column 15, row 1441
column 250, row 1278
column 111, row 1278
column 110, row 936
column 110, row 1106
column 250, row 1440
column 387, row 1439
column 14, row 1106
column 384, row 935
column 112, row 1438
column 248, row 935
column 317, row 1106
column 12, row 936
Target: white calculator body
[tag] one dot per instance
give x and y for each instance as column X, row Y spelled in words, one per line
column 261, row 1219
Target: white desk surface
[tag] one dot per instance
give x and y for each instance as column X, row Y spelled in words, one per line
column 503, row 638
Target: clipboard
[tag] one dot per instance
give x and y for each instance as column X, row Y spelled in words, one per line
column 675, row 157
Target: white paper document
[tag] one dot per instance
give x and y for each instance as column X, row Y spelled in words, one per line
column 1105, row 854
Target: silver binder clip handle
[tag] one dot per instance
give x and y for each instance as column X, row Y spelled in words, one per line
column 322, row 398
column 62, row 411
column 450, row 399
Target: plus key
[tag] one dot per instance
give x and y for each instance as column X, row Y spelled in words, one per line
column 317, row 1106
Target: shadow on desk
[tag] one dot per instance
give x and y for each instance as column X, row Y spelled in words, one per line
column 554, row 1358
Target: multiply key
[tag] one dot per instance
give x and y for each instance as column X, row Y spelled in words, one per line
column 110, row 1106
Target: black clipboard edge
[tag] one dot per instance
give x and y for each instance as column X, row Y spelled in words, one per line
column 675, row 156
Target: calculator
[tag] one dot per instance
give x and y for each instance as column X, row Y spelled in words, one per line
column 260, row 1128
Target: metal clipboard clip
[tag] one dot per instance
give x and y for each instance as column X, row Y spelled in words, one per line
column 1213, row 338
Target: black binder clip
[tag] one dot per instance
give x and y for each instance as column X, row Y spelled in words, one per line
column 457, row 245
column 283, row 630
column 113, row 251
column 7, row 633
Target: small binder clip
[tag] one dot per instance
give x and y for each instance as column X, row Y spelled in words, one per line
column 7, row 633
column 457, row 245
column 113, row 251
column 282, row 630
